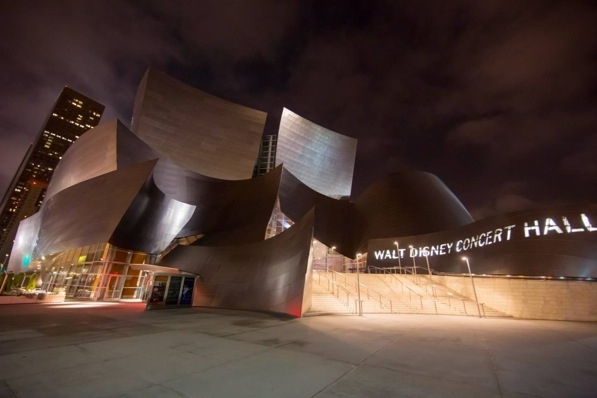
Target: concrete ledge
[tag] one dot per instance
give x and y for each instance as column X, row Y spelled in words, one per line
column 18, row 299
column 53, row 298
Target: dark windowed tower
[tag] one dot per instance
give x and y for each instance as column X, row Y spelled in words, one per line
column 72, row 115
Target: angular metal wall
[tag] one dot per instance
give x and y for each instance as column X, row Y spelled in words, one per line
column 25, row 244
column 203, row 133
column 90, row 211
column 106, row 191
column 227, row 212
column 320, row 158
column 401, row 204
column 111, row 186
column 336, row 221
column 152, row 221
column 101, row 150
column 270, row 275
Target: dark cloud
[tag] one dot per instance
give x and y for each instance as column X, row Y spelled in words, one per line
column 496, row 98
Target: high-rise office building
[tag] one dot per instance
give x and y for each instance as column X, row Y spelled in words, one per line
column 72, row 115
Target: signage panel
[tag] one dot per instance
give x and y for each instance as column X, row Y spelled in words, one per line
column 560, row 242
column 186, row 297
column 173, row 290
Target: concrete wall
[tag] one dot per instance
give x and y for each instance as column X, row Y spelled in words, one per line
column 531, row 298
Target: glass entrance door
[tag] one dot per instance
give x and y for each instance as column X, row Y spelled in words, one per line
column 145, row 285
column 114, row 287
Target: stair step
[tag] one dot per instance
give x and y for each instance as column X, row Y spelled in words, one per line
column 392, row 294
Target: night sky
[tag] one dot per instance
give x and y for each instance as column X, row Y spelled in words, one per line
column 497, row 98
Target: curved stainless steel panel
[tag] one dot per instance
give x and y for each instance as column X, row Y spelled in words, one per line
column 24, row 248
column 320, row 158
column 552, row 242
column 336, row 221
column 151, row 221
column 271, row 275
column 199, row 131
column 90, row 211
column 101, row 150
column 401, row 204
column 228, row 212
column 409, row 203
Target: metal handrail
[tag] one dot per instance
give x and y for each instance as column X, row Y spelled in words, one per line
column 457, row 303
column 417, row 279
column 416, row 301
column 330, row 287
column 368, row 291
column 410, row 291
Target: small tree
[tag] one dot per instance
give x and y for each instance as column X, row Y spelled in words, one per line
column 17, row 280
column 32, row 283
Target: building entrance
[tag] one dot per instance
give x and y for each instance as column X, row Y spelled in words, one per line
column 121, row 282
column 114, row 286
column 105, row 272
column 173, row 290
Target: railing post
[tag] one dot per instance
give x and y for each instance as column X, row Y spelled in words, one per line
column 473, row 283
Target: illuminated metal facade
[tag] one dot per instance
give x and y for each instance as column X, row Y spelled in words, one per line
column 320, row 158
column 148, row 211
column 132, row 199
column 135, row 201
column 401, row 204
column 110, row 147
column 271, row 275
column 200, row 132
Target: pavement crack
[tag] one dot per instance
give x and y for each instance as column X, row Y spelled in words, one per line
column 493, row 365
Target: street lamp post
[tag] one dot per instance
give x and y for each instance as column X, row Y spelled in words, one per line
column 428, row 268
column 333, row 259
column 398, row 254
column 414, row 262
column 327, row 254
column 473, row 283
column 360, row 303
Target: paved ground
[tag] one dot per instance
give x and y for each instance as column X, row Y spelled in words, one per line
column 122, row 351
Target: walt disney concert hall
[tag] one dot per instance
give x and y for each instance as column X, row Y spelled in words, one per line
column 171, row 212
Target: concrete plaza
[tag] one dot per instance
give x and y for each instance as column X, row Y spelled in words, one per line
column 119, row 350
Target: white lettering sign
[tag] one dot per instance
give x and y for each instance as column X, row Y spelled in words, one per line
column 535, row 228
